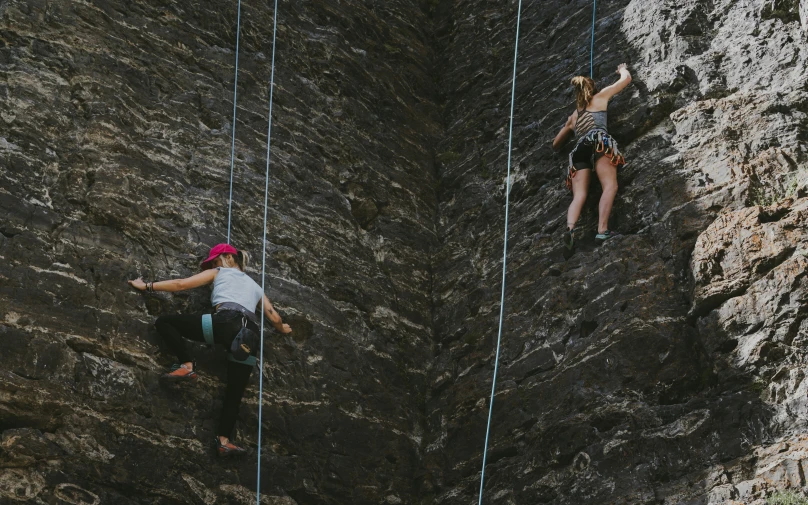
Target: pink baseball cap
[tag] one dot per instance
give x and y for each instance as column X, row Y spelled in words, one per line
column 217, row 251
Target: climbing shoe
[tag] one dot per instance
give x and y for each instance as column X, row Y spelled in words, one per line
column 227, row 450
column 606, row 235
column 180, row 373
column 568, row 238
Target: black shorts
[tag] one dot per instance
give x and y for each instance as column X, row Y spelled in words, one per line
column 584, row 155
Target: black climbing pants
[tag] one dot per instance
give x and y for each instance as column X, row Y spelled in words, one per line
column 175, row 329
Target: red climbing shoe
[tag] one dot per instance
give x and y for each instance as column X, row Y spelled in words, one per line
column 179, row 373
column 227, row 450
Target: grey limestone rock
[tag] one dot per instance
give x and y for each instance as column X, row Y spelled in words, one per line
column 665, row 366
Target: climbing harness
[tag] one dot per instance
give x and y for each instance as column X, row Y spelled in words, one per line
column 504, row 252
column 233, row 134
column 207, row 333
column 264, row 255
column 601, row 144
column 238, row 308
column 207, row 328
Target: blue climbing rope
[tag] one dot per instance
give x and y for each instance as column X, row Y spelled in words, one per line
column 592, row 45
column 264, row 258
column 233, row 135
column 504, row 252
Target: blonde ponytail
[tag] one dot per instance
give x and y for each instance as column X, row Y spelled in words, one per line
column 584, row 90
column 241, row 260
column 238, row 260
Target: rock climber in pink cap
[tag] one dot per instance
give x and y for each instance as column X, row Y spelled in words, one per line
column 234, row 324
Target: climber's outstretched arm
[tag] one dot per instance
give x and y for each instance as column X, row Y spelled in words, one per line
column 609, row 91
column 274, row 317
column 563, row 135
column 174, row 285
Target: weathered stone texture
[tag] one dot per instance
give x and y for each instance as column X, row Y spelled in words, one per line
column 665, row 366
column 626, row 369
column 115, row 163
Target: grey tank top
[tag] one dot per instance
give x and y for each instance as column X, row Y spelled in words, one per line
column 233, row 285
column 588, row 121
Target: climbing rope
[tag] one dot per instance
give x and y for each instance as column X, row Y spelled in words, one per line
column 266, row 205
column 592, row 45
column 504, row 251
column 264, row 258
column 233, row 135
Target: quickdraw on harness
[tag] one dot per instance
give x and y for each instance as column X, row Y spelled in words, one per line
column 601, row 144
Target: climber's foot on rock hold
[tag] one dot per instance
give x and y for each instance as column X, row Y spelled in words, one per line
column 226, row 449
column 180, row 373
column 603, row 236
column 568, row 239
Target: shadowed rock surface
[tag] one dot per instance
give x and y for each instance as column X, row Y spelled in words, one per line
column 665, row 366
column 653, row 368
column 116, row 144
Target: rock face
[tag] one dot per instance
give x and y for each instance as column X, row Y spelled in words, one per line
column 116, row 144
column 657, row 367
column 665, row 366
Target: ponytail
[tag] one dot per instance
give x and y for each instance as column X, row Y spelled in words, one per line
column 238, row 260
column 241, row 260
column 584, row 90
